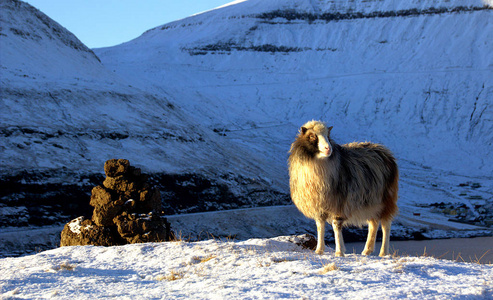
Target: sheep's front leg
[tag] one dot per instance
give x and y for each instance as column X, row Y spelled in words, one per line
column 337, row 226
column 321, row 236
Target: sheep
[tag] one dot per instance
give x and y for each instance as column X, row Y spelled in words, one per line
column 349, row 184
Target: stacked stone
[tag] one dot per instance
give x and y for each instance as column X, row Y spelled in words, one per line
column 126, row 211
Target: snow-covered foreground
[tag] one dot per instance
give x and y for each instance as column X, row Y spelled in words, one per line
column 223, row 269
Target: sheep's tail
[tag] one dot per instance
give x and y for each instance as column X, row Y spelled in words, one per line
column 391, row 193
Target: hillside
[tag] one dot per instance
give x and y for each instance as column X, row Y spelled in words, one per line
column 370, row 70
column 416, row 76
column 63, row 114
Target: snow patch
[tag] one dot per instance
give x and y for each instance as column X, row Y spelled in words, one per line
column 75, row 225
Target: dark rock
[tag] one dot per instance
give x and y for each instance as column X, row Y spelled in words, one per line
column 307, row 241
column 141, row 228
column 150, row 199
column 126, row 210
column 103, row 215
column 120, row 184
column 116, row 167
column 136, row 172
column 100, row 197
column 81, row 231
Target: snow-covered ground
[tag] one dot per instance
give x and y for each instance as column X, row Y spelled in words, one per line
column 223, row 269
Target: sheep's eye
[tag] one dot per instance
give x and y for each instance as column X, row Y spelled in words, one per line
column 312, row 137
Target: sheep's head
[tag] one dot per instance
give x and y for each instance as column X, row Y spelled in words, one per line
column 315, row 136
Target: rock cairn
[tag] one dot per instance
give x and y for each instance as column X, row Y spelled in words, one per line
column 126, row 211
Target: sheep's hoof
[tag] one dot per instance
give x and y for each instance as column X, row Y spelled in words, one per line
column 367, row 252
column 319, row 251
column 383, row 254
column 339, row 254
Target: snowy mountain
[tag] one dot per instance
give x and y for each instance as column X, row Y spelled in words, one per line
column 416, row 76
column 36, row 48
column 208, row 105
column 422, row 69
column 63, row 114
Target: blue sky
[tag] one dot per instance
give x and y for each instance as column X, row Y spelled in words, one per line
column 102, row 23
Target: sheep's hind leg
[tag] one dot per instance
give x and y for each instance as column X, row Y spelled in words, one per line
column 337, row 227
column 372, row 236
column 385, row 238
column 321, row 236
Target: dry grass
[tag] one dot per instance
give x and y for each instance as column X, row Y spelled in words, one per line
column 207, row 258
column 475, row 259
column 395, row 253
column 178, row 237
column 198, row 259
column 195, row 266
column 172, row 276
column 478, row 260
column 329, row 268
column 455, row 257
column 64, row 266
column 399, row 265
column 282, row 259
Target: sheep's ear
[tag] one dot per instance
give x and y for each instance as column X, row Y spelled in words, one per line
column 303, row 130
column 330, row 129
